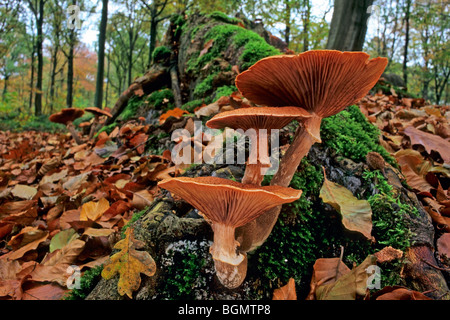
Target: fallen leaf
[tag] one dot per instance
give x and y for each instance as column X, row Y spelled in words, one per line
column 206, row 47
column 62, row 238
column 356, row 214
column 399, row 293
column 349, row 286
column 93, row 210
column 286, row 292
column 24, row 192
column 129, row 263
column 430, row 142
column 388, row 254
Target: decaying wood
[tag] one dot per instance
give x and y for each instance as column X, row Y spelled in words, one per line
column 154, row 79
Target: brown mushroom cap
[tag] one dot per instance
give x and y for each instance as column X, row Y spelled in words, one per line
column 321, row 81
column 66, row 115
column 98, row 112
column 229, row 202
column 257, row 118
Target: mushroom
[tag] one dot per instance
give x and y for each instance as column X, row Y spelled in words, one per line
column 97, row 113
column 323, row 82
column 257, row 118
column 66, row 117
column 228, row 204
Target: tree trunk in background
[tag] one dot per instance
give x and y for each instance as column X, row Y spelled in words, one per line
column 53, row 75
column 70, row 56
column 101, row 56
column 153, row 33
column 405, row 52
column 287, row 22
column 40, row 55
column 306, row 21
column 349, row 25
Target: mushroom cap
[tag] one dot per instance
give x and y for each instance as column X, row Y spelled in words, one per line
column 257, row 118
column 321, row 81
column 98, row 112
column 229, row 202
column 66, row 115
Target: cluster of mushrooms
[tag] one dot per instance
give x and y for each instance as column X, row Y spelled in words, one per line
column 307, row 88
column 68, row 115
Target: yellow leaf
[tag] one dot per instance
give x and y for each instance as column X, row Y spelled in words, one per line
column 129, row 263
column 93, row 210
column 356, row 214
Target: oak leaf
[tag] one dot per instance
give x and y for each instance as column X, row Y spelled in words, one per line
column 129, row 263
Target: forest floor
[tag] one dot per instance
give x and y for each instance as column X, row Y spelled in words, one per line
column 63, row 206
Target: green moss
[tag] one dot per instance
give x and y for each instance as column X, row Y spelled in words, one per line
column 130, row 110
column 161, row 99
column 108, row 129
column 191, row 105
column 186, row 270
column 255, row 47
column 296, row 239
column 205, row 87
column 224, row 91
column 352, row 136
column 135, row 217
column 220, row 16
column 161, row 53
column 87, row 282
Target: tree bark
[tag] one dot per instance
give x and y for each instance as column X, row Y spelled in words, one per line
column 40, row 55
column 348, row 25
column 69, row 97
column 405, row 51
column 101, row 56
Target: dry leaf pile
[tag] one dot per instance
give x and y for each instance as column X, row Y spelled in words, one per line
column 63, row 204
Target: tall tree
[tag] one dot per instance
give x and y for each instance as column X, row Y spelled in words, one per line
column 101, row 56
column 154, row 9
column 405, row 50
column 349, row 25
column 37, row 7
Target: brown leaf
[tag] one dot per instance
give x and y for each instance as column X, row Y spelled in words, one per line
column 388, row 254
column 326, row 271
column 399, row 293
column 286, row 292
column 206, row 47
column 356, row 214
column 349, row 286
column 430, row 142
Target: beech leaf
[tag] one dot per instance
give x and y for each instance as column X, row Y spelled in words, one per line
column 93, row 210
column 356, row 214
column 286, row 292
column 348, row 286
column 129, row 263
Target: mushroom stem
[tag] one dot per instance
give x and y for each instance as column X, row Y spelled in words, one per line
column 259, row 151
column 93, row 126
column 231, row 266
column 70, row 126
column 225, row 245
column 253, row 234
column 304, row 138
